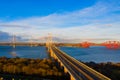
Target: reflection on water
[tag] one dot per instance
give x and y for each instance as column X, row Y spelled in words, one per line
column 13, row 53
column 23, row 52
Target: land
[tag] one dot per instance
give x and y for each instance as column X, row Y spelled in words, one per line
column 21, row 44
column 40, row 69
column 111, row 70
column 43, row 44
column 30, row 69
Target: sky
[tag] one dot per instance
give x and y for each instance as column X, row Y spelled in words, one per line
column 65, row 19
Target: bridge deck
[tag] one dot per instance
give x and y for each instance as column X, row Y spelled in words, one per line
column 77, row 69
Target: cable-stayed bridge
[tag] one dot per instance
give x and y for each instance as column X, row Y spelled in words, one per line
column 76, row 69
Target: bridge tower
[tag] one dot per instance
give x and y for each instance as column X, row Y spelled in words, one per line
column 49, row 41
column 14, row 41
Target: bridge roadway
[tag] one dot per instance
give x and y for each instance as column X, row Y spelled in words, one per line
column 77, row 69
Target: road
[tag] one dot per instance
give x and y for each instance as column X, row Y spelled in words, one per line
column 77, row 69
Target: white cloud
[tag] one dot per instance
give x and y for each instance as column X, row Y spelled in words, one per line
column 97, row 21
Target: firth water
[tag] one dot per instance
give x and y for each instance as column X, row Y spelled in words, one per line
column 96, row 54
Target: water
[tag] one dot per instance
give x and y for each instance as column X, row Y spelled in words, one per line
column 96, row 54
column 23, row 52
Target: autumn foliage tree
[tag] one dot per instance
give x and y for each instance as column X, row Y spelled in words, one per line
column 40, row 67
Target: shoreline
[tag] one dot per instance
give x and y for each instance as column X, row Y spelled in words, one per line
column 109, row 69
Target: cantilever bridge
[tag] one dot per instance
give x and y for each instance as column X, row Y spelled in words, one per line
column 76, row 69
column 112, row 44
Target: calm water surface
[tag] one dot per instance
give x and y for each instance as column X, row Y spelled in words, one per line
column 96, row 54
column 23, row 51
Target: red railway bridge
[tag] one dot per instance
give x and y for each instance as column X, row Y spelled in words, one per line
column 112, row 44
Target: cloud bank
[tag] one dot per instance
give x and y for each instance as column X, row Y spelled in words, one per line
column 99, row 21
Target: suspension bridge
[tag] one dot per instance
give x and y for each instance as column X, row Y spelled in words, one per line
column 15, row 43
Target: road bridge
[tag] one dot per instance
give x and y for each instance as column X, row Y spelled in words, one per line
column 76, row 69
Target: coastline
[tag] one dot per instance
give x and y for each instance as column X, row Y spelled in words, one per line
column 109, row 69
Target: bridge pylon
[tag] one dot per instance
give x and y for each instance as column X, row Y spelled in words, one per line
column 49, row 41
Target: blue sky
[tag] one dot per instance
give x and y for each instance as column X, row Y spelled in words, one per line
column 66, row 19
column 28, row 8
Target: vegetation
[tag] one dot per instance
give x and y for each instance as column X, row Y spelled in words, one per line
column 43, row 68
column 112, row 70
column 39, row 69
